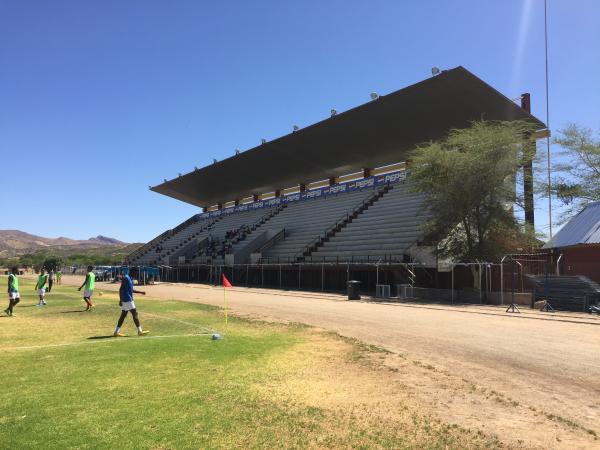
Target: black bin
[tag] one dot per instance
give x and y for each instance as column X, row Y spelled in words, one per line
column 353, row 290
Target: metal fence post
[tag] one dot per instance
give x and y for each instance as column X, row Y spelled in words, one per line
column 480, row 281
column 452, row 286
column 502, row 280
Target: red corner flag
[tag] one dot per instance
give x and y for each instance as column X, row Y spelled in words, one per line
column 226, row 282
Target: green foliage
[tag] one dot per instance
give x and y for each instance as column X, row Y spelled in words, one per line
column 577, row 181
column 97, row 256
column 469, row 179
column 52, row 263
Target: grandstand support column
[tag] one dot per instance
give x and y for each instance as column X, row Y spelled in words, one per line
column 332, row 181
column 367, row 172
column 277, row 193
column 255, row 198
column 529, row 155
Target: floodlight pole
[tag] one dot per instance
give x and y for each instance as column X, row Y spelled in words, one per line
column 548, row 119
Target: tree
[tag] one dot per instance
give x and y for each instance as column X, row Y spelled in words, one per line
column 577, row 182
column 469, row 179
column 52, row 263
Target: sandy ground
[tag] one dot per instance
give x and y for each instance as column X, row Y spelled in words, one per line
column 532, row 380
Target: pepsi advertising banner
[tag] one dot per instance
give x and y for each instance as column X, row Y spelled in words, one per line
column 374, row 181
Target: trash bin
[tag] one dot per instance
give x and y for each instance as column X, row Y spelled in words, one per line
column 353, row 290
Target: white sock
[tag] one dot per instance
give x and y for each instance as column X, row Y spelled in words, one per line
column 139, row 329
column 117, row 330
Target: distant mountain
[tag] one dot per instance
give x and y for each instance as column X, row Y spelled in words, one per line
column 106, row 240
column 15, row 242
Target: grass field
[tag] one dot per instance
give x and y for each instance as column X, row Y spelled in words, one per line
column 67, row 384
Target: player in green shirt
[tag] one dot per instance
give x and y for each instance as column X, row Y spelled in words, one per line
column 13, row 291
column 40, row 287
column 58, row 276
column 89, row 283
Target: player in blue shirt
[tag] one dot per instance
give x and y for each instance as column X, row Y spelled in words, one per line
column 126, row 303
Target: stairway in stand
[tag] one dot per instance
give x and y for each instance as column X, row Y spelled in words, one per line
column 340, row 226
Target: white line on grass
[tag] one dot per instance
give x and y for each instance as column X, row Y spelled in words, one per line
column 178, row 320
column 105, row 340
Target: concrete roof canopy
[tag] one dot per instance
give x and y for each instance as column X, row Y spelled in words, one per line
column 377, row 133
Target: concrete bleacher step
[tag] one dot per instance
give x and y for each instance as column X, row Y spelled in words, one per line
column 250, row 219
column 355, row 214
column 390, row 227
column 368, row 222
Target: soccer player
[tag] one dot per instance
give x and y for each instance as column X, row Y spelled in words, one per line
column 89, row 283
column 126, row 303
column 58, row 276
column 40, row 287
column 13, row 291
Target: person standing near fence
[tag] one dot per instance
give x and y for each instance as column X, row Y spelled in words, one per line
column 51, row 276
column 58, row 276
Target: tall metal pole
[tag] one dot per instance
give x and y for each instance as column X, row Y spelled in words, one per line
column 548, row 118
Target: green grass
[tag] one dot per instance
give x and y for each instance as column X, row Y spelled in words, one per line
column 65, row 384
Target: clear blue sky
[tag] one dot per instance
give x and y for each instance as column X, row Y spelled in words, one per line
column 100, row 99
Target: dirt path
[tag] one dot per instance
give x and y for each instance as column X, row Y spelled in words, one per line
column 532, row 380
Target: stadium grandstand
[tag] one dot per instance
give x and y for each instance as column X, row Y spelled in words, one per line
column 326, row 203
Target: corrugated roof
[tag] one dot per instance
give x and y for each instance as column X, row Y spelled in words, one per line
column 584, row 228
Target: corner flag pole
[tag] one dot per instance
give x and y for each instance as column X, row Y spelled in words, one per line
column 226, row 284
column 225, row 304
